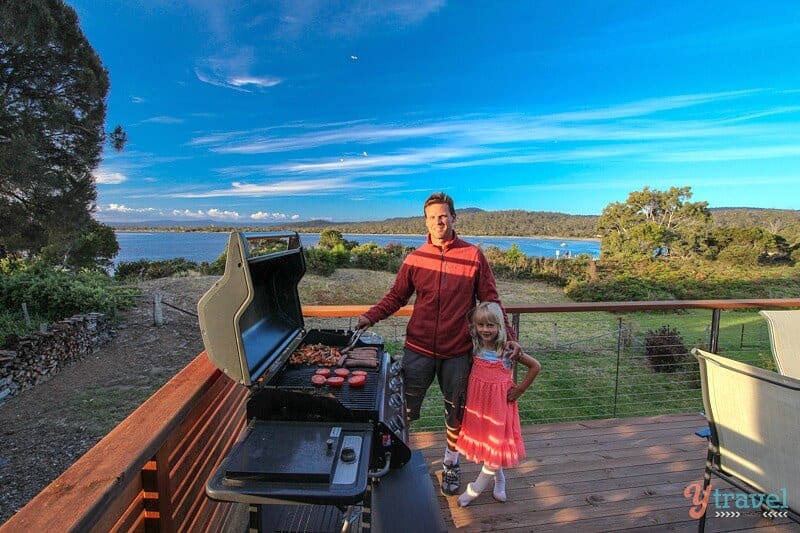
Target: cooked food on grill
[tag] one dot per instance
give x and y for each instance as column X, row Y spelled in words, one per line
column 357, row 380
column 318, row 380
column 325, row 372
column 362, row 363
column 315, row 354
column 342, row 372
column 335, row 381
column 359, row 372
column 366, row 356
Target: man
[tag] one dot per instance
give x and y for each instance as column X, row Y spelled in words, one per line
column 449, row 276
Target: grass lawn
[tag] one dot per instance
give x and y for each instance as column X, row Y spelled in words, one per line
column 593, row 364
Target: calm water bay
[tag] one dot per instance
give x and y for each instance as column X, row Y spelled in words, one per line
column 200, row 246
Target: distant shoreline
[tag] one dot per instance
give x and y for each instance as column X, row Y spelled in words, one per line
column 179, row 230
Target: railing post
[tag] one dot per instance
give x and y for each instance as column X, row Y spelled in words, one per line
column 616, row 377
column 714, row 337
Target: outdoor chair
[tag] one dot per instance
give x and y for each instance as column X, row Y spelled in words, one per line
column 754, row 418
column 784, row 338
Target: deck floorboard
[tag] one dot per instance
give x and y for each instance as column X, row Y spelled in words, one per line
column 598, row 475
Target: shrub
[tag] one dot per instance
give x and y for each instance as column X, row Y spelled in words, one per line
column 12, row 325
column 737, row 254
column 10, row 265
column 665, row 349
column 54, row 294
column 216, row 268
column 320, row 261
column 146, row 269
column 370, row 256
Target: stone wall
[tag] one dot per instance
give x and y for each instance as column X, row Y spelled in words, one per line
column 39, row 356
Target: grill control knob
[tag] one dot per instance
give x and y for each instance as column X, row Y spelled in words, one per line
column 348, row 455
column 395, row 368
column 395, row 383
column 398, row 422
column 396, row 401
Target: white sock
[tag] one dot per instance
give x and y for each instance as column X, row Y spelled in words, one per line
column 467, row 496
column 476, row 487
column 499, row 491
column 450, row 456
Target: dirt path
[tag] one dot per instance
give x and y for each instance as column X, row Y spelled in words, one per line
column 45, row 429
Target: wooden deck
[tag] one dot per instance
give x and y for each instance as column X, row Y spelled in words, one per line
column 602, row 475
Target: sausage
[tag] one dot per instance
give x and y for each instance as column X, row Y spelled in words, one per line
column 359, row 362
column 370, row 351
column 362, row 359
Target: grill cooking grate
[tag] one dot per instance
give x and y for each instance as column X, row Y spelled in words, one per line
column 357, row 398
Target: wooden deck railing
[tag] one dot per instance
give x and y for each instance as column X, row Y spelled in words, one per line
column 149, row 473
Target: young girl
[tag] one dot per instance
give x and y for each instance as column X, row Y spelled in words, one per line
column 490, row 432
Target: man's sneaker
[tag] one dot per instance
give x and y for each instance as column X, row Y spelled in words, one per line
column 451, row 479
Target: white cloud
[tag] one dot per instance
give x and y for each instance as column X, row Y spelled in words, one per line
column 244, row 81
column 138, row 100
column 293, row 187
column 730, row 154
column 104, row 177
column 232, row 69
column 238, row 82
column 188, row 214
column 261, row 215
column 121, row 208
column 163, row 120
column 336, row 19
column 229, row 215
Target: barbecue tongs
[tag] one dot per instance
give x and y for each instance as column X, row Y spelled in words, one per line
column 353, row 340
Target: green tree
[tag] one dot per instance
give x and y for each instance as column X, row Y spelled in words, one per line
column 654, row 223
column 96, row 245
column 746, row 246
column 53, row 88
column 329, row 238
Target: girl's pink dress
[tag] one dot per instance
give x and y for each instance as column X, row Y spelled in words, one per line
column 490, row 431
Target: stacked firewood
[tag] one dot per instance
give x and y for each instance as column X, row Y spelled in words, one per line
column 37, row 357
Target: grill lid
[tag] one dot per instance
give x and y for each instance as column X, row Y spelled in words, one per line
column 251, row 319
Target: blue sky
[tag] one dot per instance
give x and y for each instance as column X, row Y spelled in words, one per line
column 278, row 111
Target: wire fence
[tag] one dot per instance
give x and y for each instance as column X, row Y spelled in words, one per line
column 604, row 364
column 599, row 364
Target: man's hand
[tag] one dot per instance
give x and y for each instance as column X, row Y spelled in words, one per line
column 363, row 322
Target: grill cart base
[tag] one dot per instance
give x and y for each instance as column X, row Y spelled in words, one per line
column 391, row 502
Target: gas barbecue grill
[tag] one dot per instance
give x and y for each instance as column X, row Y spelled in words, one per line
column 322, row 448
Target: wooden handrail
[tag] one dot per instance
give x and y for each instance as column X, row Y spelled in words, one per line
column 136, row 477
column 331, row 311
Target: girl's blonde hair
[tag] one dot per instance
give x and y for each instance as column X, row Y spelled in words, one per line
column 492, row 313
